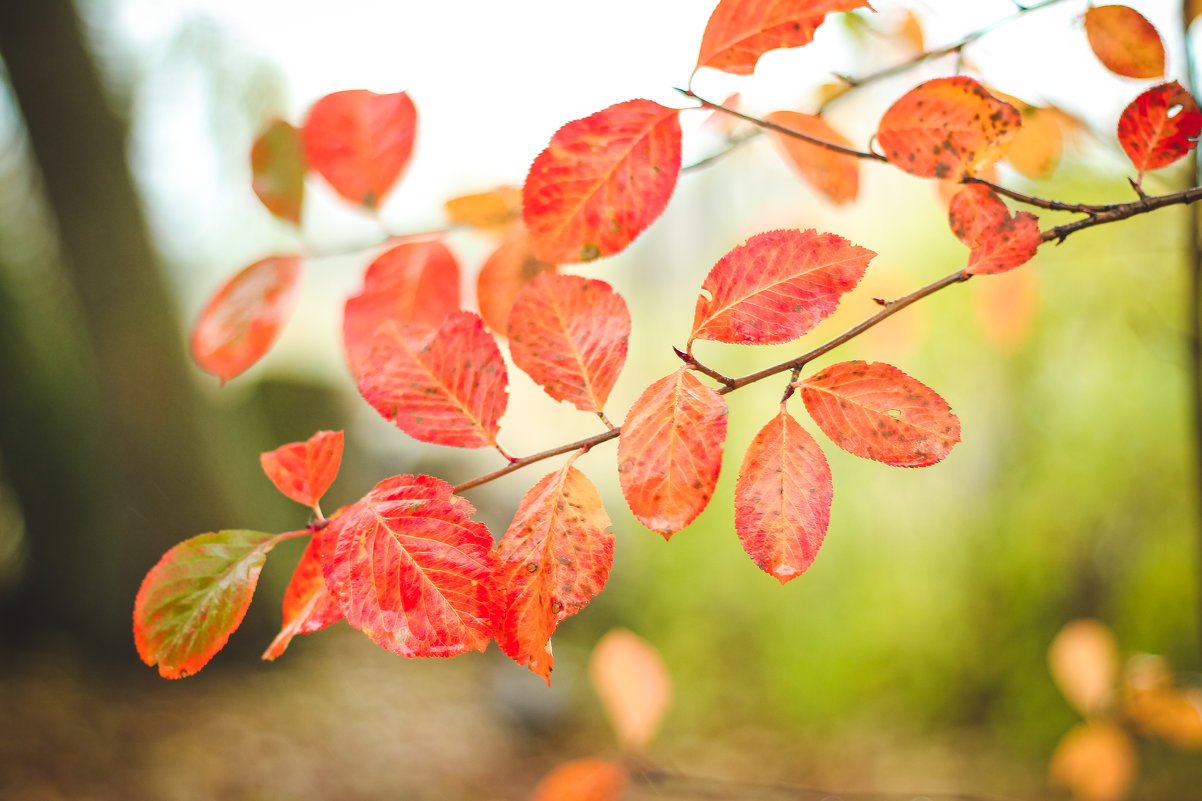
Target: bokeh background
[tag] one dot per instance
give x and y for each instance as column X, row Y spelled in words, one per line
column 910, row 659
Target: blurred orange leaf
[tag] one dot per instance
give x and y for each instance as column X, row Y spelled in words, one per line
column 277, row 162
column 583, row 780
column 509, row 268
column 1157, row 706
column 835, row 175
column 633, row 683
column 1035, row 150
column 1124, row 41
column 1083, row 660
column 1095, row 761
column 486, row 210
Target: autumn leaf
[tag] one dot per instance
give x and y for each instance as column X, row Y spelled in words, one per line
column 1011, row 244
column 670, row 451
column 1124, row 41
column 1154, row 703
column 740, row 31
column 415, row 283
column 412, row 570
column 634, row 686
column 449, row 391
column 277, row 162
column 360, row 142
column 783, row 498
column 1083, row 660
column 601, row 181
column 509, row 268
column 486, row 210
column 193, row 599
column 834, row 175
column 308, row 604
column 876, row 411
column 1035, row 150
column 569, row 334
column 776, row 286
column 243, row 319
column 1096, row 761
column 555, row 557
column 304, row 470
column 946, row 127
column 583, row 780
column 1159, row 127
column 973, row 212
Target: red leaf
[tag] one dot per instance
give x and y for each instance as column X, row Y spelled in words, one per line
column 835, row 175
column 1159, row 127
column 308, row 604
column 1012, row 243
column 412, row 570
column 193, row 599
column 277, row 162
column 973, row 212
column 740, row 31
column 776, row 286
column 601, row 181
column 946, row 127
column 416, row 283
column 583, row 780
column 670, row 451
column 452, row 391
column 569, row 334
column 243, row 319
column 783, row 498
column 360, row 142
column 304, row 470
column 510, row 267
column 876, row 411
column 555, row 558
column 1124, row 41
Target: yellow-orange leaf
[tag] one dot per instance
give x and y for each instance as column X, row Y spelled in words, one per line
column 1095, row 761
column 1124, row 41
column 633, row 683
column 835, row 175
column 486, row 210
column 1083, row 660
column 583, row 780
column 510, row 267
column 1035, row 150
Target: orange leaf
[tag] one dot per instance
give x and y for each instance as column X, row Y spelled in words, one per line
column 601, row 181
column 1159, row 127
column 946, row 127
column 510, row 267
column 670, row 451
column 304, row 470
column 835, row 175
column 974, row 212
column 876, row 411
column 1156, row 706
column 308, row 604
column 451, row 391
column 411, row 569
column 1035, row 150
column 776, row 286
column 555, row 557
column 193, row 599
column 583, row 780
column 569, row 334
column 486, row 210
column 1012, row 243
column 1083, row 660
column 1124, row 41
column 1095, row 761
column 415, row 283
column 633, row 683
column 360, row 142
column 740, row 31
column 243, row 319
column 277, row 163
column 783, row 498
column 1006, row 307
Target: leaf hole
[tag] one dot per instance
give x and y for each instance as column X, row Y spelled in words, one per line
column 707, row 295
column 1174, row 110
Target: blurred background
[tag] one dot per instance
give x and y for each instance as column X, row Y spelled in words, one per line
column 911, row 658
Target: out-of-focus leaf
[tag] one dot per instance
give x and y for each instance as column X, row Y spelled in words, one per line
column 278, row 167
column 633, row 683
column 835, row 175
column 1035, row 150
column 509, row 268
column 1095, row 761
column 1006, row 307
column 308, row 604
column 1159, row 127
column 601, row 181
column 1083, row 660
column 305, row 470
column 583, row 780
column 243, row 319
column 1157, row 706
column 486, row 210
column 1124, row 41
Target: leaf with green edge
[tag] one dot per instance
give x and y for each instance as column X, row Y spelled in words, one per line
column 304, row 470
column 416, row 283
column 874, row 410
column 278, row 167
column 601, row 181
column 1159, row 127
column 360, row 142
column 195, row 597
column 670, row 451
column 555, row 558
column 243, row 319
column 588, row 779
column 569, row 334
column 451, row 390
column 1013, row 242
column 776, row 287
column 740, row 31
column 835, row 176
column 510, row 267
column 412, row 570
column 1124, row 41
column 309, row 605
column 946, row 127
column 783, row 498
